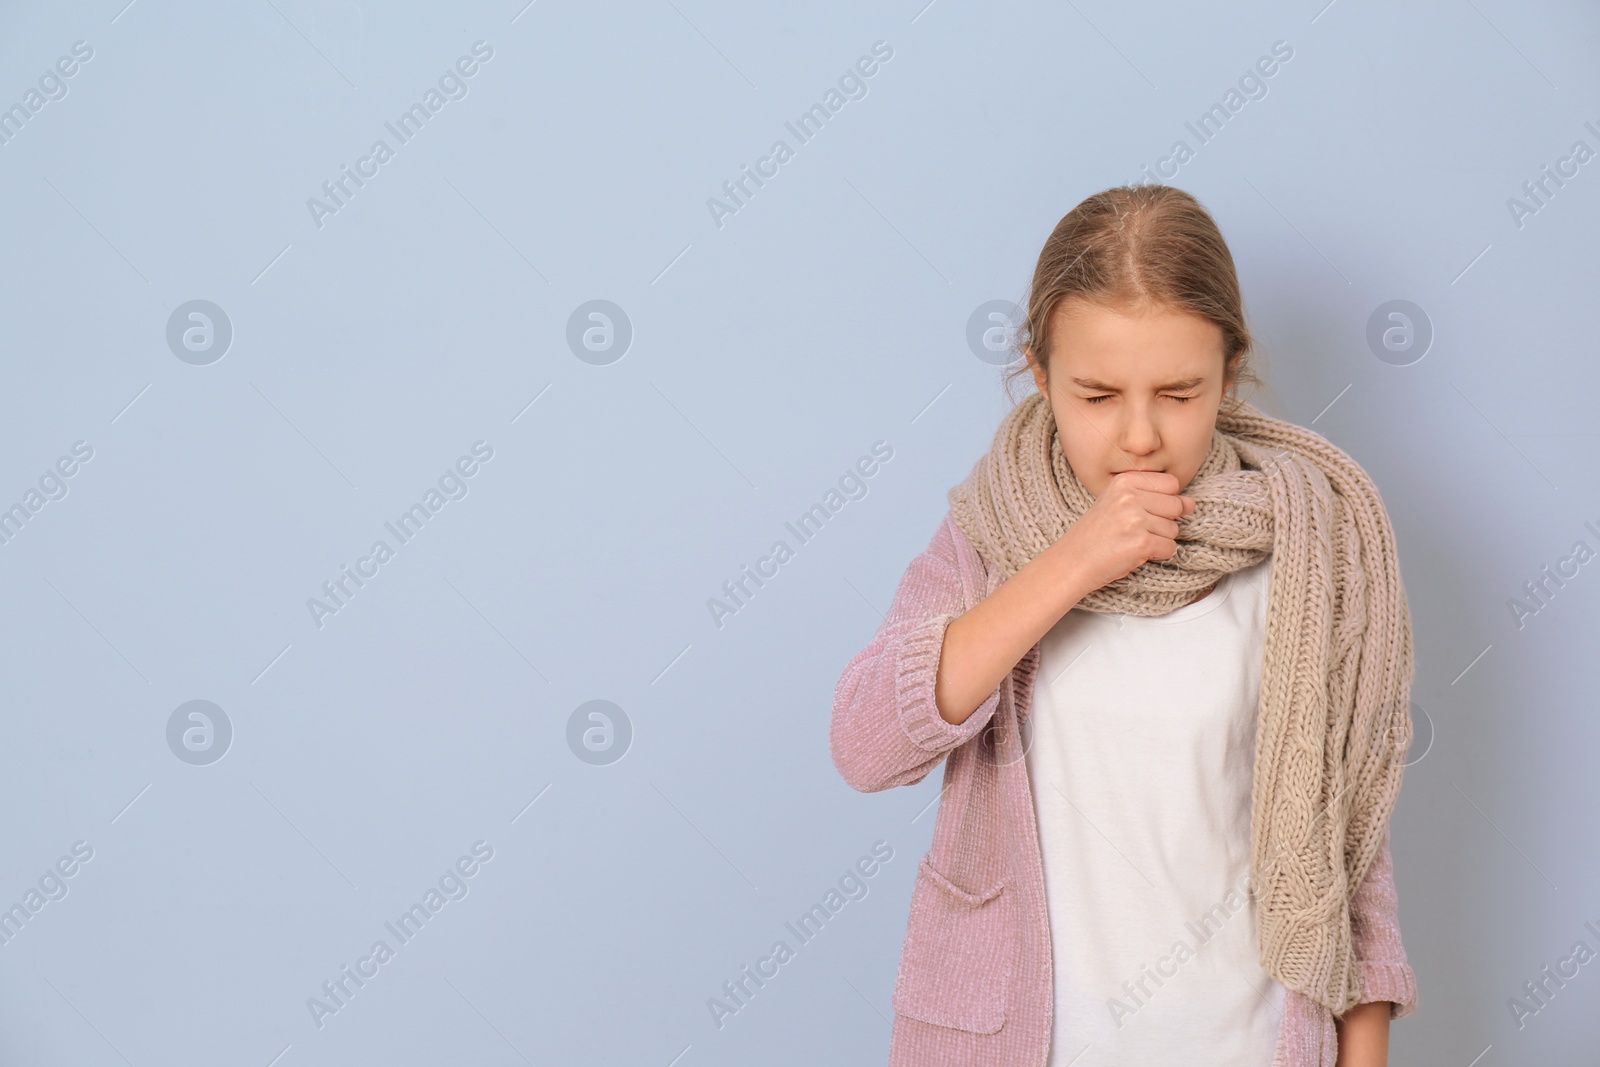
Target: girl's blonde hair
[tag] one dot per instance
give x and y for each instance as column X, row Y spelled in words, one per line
column 1140, row 246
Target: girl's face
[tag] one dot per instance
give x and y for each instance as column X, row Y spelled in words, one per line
column 1132, row 390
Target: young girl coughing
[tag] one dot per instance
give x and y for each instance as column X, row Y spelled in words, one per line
column 1161, row 645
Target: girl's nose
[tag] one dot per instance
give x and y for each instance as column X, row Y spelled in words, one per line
column 1139, row 436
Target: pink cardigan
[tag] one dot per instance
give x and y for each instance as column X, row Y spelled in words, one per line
column 975, row 983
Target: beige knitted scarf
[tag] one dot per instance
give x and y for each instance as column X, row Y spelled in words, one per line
column 1334, row 718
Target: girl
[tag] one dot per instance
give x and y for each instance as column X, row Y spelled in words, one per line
column 1161, row 645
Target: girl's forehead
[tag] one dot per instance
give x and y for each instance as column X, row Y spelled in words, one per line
column 1134, row 358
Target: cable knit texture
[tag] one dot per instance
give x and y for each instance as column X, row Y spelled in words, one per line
column 975, row 981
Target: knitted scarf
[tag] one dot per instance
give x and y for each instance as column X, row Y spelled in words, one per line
column 1334, row 717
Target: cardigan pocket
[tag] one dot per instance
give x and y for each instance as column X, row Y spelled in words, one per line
column 955, row 966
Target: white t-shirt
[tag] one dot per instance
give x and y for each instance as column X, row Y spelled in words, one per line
column 1141, row 751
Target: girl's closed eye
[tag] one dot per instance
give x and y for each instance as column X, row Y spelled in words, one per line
column 1097, row 399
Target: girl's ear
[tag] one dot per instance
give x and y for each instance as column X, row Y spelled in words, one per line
column 1038, row 371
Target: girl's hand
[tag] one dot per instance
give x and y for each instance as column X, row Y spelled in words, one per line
column 1133, row 520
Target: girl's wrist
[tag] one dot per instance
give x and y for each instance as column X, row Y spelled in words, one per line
column 1062, row 576
column 1363, row 1034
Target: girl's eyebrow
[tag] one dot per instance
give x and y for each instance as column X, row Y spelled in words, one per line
column 1102, row 387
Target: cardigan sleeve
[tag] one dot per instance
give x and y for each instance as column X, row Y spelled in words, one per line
column 886, row 729
column 1375, row 935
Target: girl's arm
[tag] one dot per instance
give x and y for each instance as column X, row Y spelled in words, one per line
column 1364, row 1035
column 1133, row 520
column 1389, row 987
column 1375, row 937
column 887, row 726
column 898, row 709
column 983, row 645
column 885, row 729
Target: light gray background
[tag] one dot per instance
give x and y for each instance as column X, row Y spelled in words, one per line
column 768, row 355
